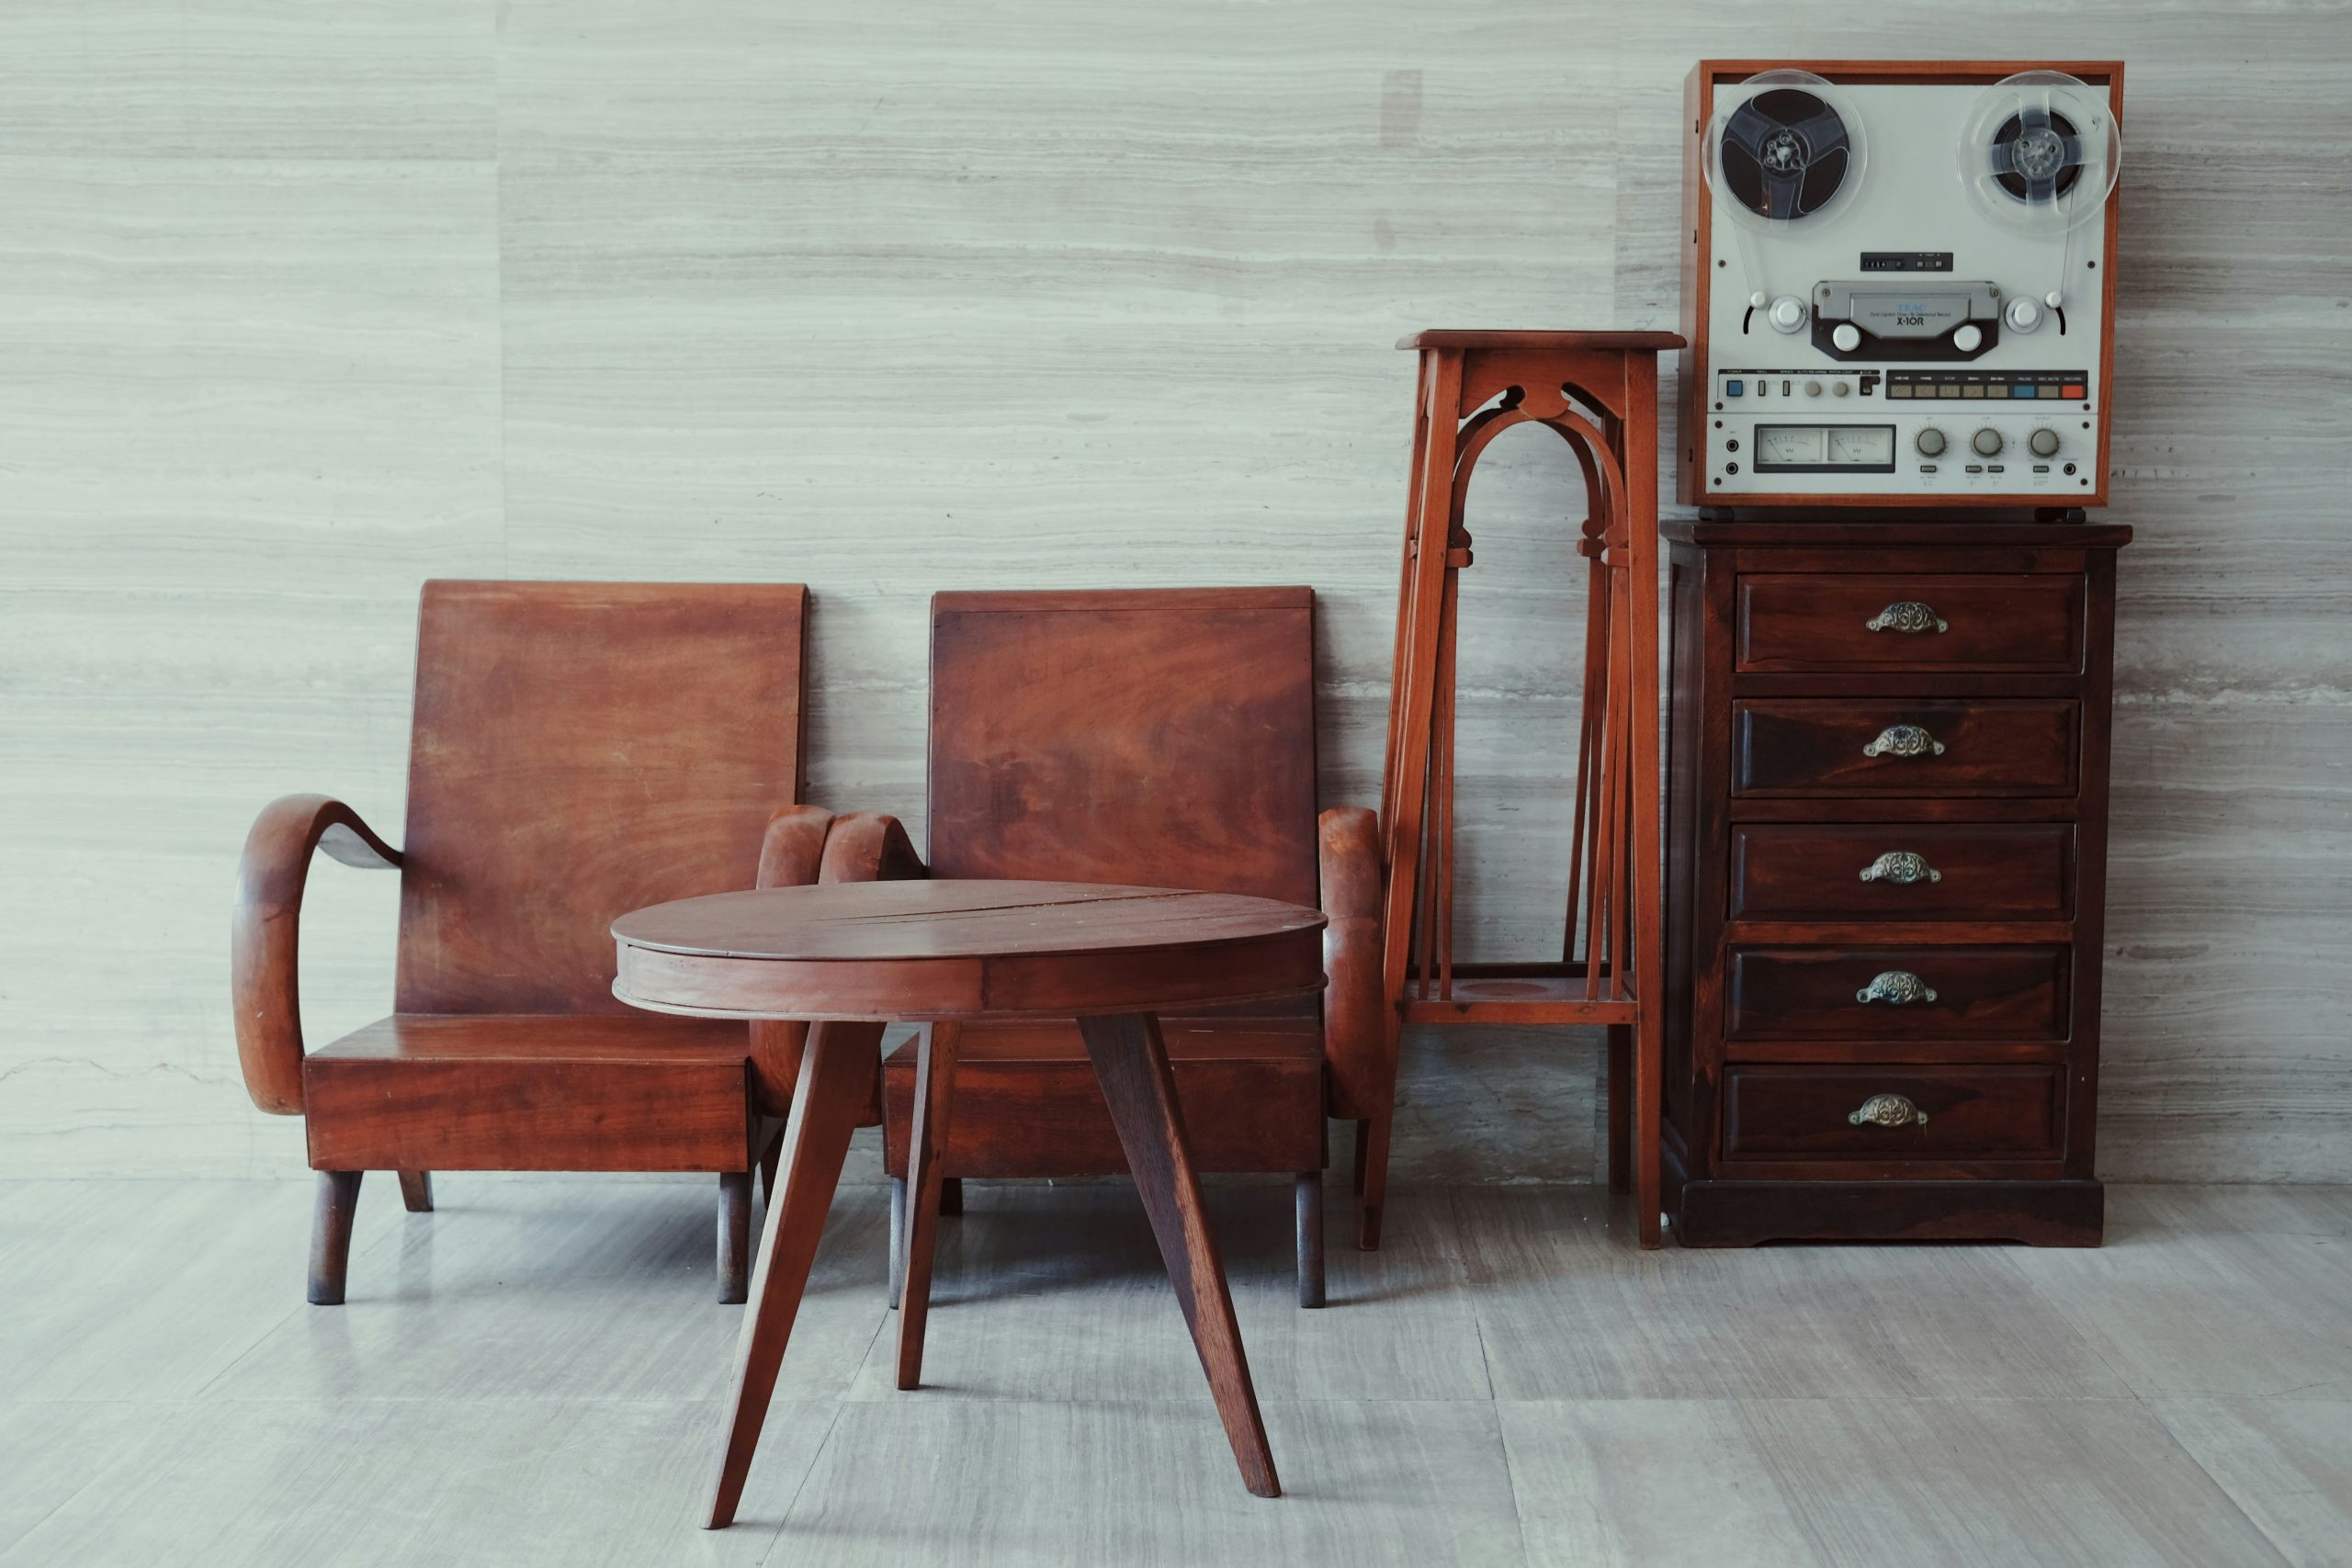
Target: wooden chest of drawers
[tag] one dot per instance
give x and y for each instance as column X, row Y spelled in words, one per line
column 1886, row 826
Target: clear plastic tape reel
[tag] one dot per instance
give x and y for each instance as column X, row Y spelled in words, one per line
column 2039, row 155
column 2041, row 152
column 1783, row 147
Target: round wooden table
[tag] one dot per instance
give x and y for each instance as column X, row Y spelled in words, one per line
column 855, row 956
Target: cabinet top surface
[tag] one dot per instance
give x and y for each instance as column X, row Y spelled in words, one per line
column 1443, row 337
column 1899, row 535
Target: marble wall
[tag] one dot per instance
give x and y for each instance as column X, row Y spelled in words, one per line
column 304, row 302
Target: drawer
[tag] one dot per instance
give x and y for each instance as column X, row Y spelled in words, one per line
column 1838, row 1112
column 1897, row 871
column 1835, row 622
column 2010, row 994
column 1896, row 746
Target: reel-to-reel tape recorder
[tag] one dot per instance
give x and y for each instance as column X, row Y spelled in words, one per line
column 1899, row 284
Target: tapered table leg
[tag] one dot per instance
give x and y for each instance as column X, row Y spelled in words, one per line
column 836, row 1076
column 926, row 1150
column 1132, row 1063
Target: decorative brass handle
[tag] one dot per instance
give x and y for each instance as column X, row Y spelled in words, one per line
column 1904, row 740
column 1896, row 988
column 1903, row 866
column 1908, row 616
column 1888, row 1111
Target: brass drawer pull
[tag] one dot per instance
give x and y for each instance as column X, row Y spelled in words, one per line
column 1888, row 1111
column 1908, row 616
column 1902, row 866
column 1904, row 740
column 1896, row 988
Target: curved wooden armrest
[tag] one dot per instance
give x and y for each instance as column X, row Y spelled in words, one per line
column 263, row 927
column 793, row 846
column 871, row 846
column 806, row 844
column 790, row 852
column 1355, row 1028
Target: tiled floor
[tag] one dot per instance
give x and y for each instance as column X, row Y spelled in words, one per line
column 532, row 1375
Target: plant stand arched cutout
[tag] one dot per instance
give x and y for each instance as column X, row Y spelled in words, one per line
column 1598, row 391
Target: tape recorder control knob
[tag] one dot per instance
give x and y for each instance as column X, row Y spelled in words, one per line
column 1847, row 336
column 1930, row 442
column 1787, row 313
column 1968, row 338
column 1987, row 441
column 2024, row 313
column 2044, row 442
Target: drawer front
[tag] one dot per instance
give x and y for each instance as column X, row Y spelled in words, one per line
column 1898, row 871
column 2010, row 994
column 1833, row 622
column 1893, row 1112
column 1893, row 746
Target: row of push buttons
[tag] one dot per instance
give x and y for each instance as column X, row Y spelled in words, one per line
column 1994, row 390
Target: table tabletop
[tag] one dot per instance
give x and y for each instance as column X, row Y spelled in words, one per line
column 926, row 950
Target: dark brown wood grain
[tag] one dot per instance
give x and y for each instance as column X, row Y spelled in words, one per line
column 577, row 749
column 1992, row 746
column 1807, row 621
column 1992, row 871
column 1773, row 930
column 1981, row 993
column 1789, row 1112
column 1747, row 1212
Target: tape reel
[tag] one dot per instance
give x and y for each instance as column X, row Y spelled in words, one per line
column 1786, row 147
column 2041, row 152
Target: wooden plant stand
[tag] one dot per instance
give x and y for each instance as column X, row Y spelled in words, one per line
column 1599, row 392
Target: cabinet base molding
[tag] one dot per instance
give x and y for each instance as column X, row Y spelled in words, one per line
column 1745, row 1214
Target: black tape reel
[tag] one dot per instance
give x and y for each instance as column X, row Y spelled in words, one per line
column 1785, row 147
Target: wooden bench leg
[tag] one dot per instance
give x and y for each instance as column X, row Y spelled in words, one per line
column 898, row 1237
column 417, row 1191
column 767, row 1165
column 338, row 1203
column 1372, row 1185
column 951, row 1196
column 1620, row 1107
column 734, row 1236
column 1310, row 1238
column 926, row 1150
column 836, row 1081
column 1132, row 1063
